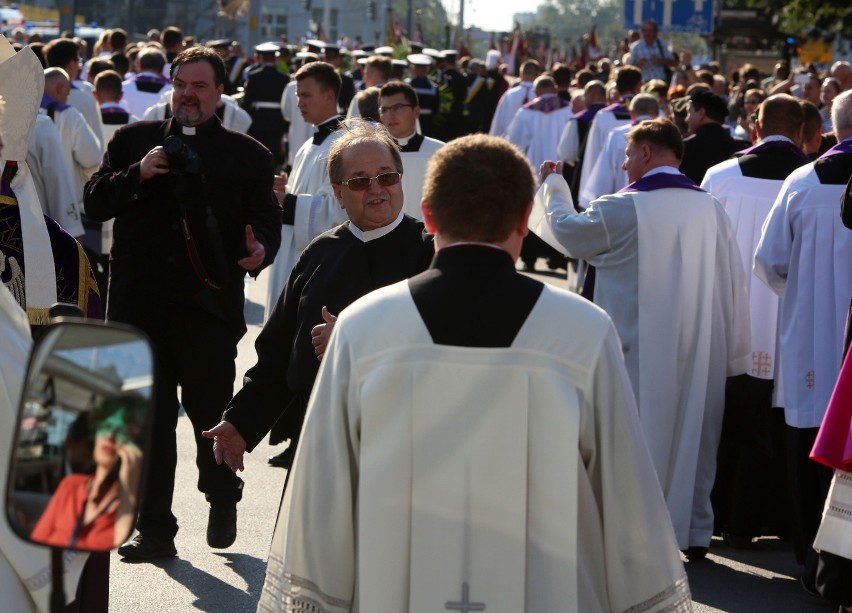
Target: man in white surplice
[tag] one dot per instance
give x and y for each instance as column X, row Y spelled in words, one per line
column 804, row 256
column 515, row 98
column 399, row 110
column 449, row 463
column 607, row 175
column 309, row 206
column 747, row 185
column 538, row 124
column 670, row 275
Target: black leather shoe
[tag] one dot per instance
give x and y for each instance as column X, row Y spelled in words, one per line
column 222, row 525
column 142, row 547
column 283, row 459
column 694, row 554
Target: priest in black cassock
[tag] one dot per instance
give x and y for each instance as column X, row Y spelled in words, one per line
column 378, row 246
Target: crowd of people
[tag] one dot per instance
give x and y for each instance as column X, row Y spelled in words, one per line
column 698, row 209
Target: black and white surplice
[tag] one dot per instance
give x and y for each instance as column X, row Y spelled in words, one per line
column 458, row 450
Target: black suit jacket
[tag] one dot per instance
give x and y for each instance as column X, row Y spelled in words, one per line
column 150, row 266
column 711, row 144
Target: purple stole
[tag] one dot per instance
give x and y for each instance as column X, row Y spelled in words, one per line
column 588, row 114
column 546, row 105
column 774, row 144
column 845, row 146
column 661, row 181
column 150, row 78
column 51, row 105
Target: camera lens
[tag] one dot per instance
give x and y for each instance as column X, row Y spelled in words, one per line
column 172, row 146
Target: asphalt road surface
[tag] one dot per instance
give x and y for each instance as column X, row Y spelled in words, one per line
column 759, row 580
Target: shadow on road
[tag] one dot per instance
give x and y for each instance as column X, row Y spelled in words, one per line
column 730, row 584
column 211, row 593
column 253, row 312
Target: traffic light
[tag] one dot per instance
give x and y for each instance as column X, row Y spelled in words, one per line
column 371, row 11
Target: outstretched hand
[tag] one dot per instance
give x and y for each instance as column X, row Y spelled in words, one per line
column 322, row 332
column 279, row 187
column 228, row 445
column 256, row 252
column 548, row 168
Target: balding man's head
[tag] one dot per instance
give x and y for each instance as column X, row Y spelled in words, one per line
column 841, row 115
column 842, row 71
column 782, row 115
column 644, row 105
column 57, row 85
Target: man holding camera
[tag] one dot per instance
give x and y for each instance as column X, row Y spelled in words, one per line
column 194, row 211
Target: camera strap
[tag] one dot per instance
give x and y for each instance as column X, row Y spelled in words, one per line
column 191, row 244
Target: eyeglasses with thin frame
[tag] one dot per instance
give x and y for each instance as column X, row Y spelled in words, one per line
column 396, row 108
column 359, row 184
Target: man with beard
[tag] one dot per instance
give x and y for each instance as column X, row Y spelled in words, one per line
column 194, row 211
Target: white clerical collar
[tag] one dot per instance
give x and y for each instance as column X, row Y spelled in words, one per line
column 404, row 141
column 662, row 170
column 112, row 105
column 775, row 138
column 474, row 243
column 187, row 130
column 371, row 235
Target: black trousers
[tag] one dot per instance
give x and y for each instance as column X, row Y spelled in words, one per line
column 834, row 578
column 809, row 483
column 749, row 494
column 196, row 351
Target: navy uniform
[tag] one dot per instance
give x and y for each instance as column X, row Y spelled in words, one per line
column 347, row 82
column 427, row 94
column 452, row 85
column 263, row 91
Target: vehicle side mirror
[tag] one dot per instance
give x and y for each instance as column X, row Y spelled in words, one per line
column 82, row 437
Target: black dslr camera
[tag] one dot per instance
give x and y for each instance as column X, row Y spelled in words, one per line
column 182, row 159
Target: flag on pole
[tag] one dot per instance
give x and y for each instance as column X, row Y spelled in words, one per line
column 593, row 51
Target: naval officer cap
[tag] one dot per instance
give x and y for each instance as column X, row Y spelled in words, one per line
column 433, row 53
column 314, row 46
column 333, row 50
column 419, row 59
column 386, row 50
column 221, row 43
column 267, row 48
column 368, row 49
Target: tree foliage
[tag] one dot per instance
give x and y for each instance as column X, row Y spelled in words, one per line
column 796, row 16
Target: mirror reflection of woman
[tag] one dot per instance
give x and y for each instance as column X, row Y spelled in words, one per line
column 96, row 511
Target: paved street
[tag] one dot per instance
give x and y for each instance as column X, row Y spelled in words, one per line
column 759, row 580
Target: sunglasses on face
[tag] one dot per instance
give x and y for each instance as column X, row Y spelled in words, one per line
column 359, row 184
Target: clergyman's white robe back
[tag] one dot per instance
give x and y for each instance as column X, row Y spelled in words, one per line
column 514, row 477
column 804, row 256
column 670, row 276
column 536, row 132
column 414, row 165
column 748, row 200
